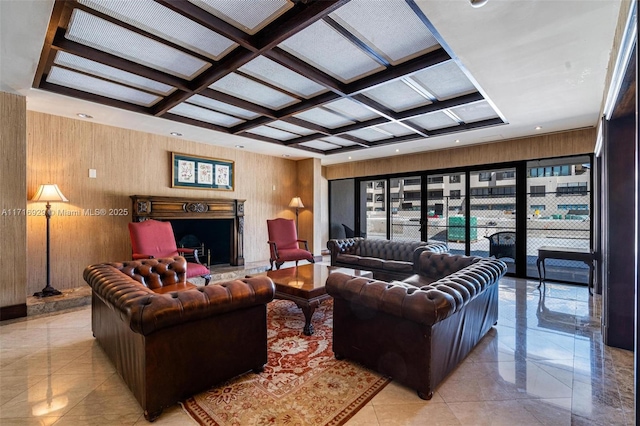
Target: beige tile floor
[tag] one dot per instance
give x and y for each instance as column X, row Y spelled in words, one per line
column 544, row 363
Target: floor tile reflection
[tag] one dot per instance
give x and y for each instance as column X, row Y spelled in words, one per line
column 544, row 363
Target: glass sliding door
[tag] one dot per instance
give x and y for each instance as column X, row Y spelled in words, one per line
column 405, row 203
column 492, row 215
column 445, row 210
column 559, row 214
column 373, row 208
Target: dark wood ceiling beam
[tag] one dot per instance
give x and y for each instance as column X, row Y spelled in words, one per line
column 61, row 43
column 397, row 139
column 302, row 15
column 356, row 140
column 416, row 64
column 359, row 125
column 467, row 126
column 212, row 22
column 308, row 125
column 261, row 138
column 439, row 106
column 233, row 60
column 269, row 85
column 303, row 139
column 194, row 122
column 78, row 94
column 58, row 16
column 308, row 104
column 240, row 103
column 360, row 44
column 250, row 124
column 299, row 66
column 296, row 19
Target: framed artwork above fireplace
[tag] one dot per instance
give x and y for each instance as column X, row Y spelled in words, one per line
column 192, row 171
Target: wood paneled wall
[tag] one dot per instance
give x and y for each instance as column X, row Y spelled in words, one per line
column 543, row 146
column 13, row 201
column 62, row 150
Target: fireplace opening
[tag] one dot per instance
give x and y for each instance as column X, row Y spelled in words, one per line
column 212, row 238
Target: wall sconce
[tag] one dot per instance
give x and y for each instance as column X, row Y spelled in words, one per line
column 48, row 192
column 296, row 203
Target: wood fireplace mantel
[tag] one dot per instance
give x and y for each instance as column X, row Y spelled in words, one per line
column 169, row 208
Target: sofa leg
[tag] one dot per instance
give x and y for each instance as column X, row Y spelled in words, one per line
column 338, row 356
column 258, row 370
column 426, row 396
column 150, row 417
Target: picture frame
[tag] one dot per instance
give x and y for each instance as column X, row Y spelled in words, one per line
column 196, row 172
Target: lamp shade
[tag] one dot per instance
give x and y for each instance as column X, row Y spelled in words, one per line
column 49, row 192
column 296, row 202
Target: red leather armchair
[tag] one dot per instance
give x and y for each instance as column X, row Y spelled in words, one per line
column 155, row 239
column 284, row 243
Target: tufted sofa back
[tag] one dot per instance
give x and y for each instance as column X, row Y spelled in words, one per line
column 429, row 303
column 388, row 250
column 439, row 265
column 155, row 273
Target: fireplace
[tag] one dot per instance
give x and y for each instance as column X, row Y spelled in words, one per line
column 216, row 224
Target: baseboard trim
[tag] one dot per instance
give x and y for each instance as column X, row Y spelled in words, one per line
column 13, row 312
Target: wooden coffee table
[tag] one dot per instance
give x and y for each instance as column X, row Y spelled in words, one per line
column 305, row 286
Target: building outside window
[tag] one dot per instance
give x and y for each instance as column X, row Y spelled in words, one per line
column 537, row 191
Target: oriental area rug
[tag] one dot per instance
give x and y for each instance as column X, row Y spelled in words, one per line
column 302, row 383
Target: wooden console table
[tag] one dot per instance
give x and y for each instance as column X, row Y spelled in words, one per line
column 565, row 253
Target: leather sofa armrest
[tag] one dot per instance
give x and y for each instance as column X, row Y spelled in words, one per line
column 426, row 305
column 342, row 245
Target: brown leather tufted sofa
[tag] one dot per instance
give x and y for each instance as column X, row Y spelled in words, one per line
column 387, row 260
column 169, row 339
column 418, row 330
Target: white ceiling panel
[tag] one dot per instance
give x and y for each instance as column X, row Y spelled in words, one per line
column 324, row 118
column 222, row 107
column 397, row 95
column 445, row 80
column 247, row 89
column 352, row 109
column 163, row 22
column 326, row 49
column 249, row 17
column 376, row 23
column 203, row 114
column 434, row 120
column 103, row 35
column 75, row 80
column 477, row 111
column 267, row 70
column 370, row 134
column 320, row 144
column 100, row 70
column 272, row 133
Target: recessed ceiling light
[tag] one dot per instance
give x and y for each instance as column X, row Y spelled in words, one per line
column 397, row 150
column 175, row 134
column 538, row 127
column 349, row 158
column 240, row 146
column 83, row 115
column 286, row 155
column 457, row 140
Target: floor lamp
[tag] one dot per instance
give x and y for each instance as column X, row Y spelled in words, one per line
column 48, row 192
column 296, row 203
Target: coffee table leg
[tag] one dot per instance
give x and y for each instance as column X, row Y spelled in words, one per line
column 308, row 313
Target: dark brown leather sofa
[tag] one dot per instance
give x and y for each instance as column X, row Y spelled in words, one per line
column 169, row 339
column 387, row 260
column 416, row 334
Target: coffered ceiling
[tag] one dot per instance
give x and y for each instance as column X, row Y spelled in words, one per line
column 327, row 78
